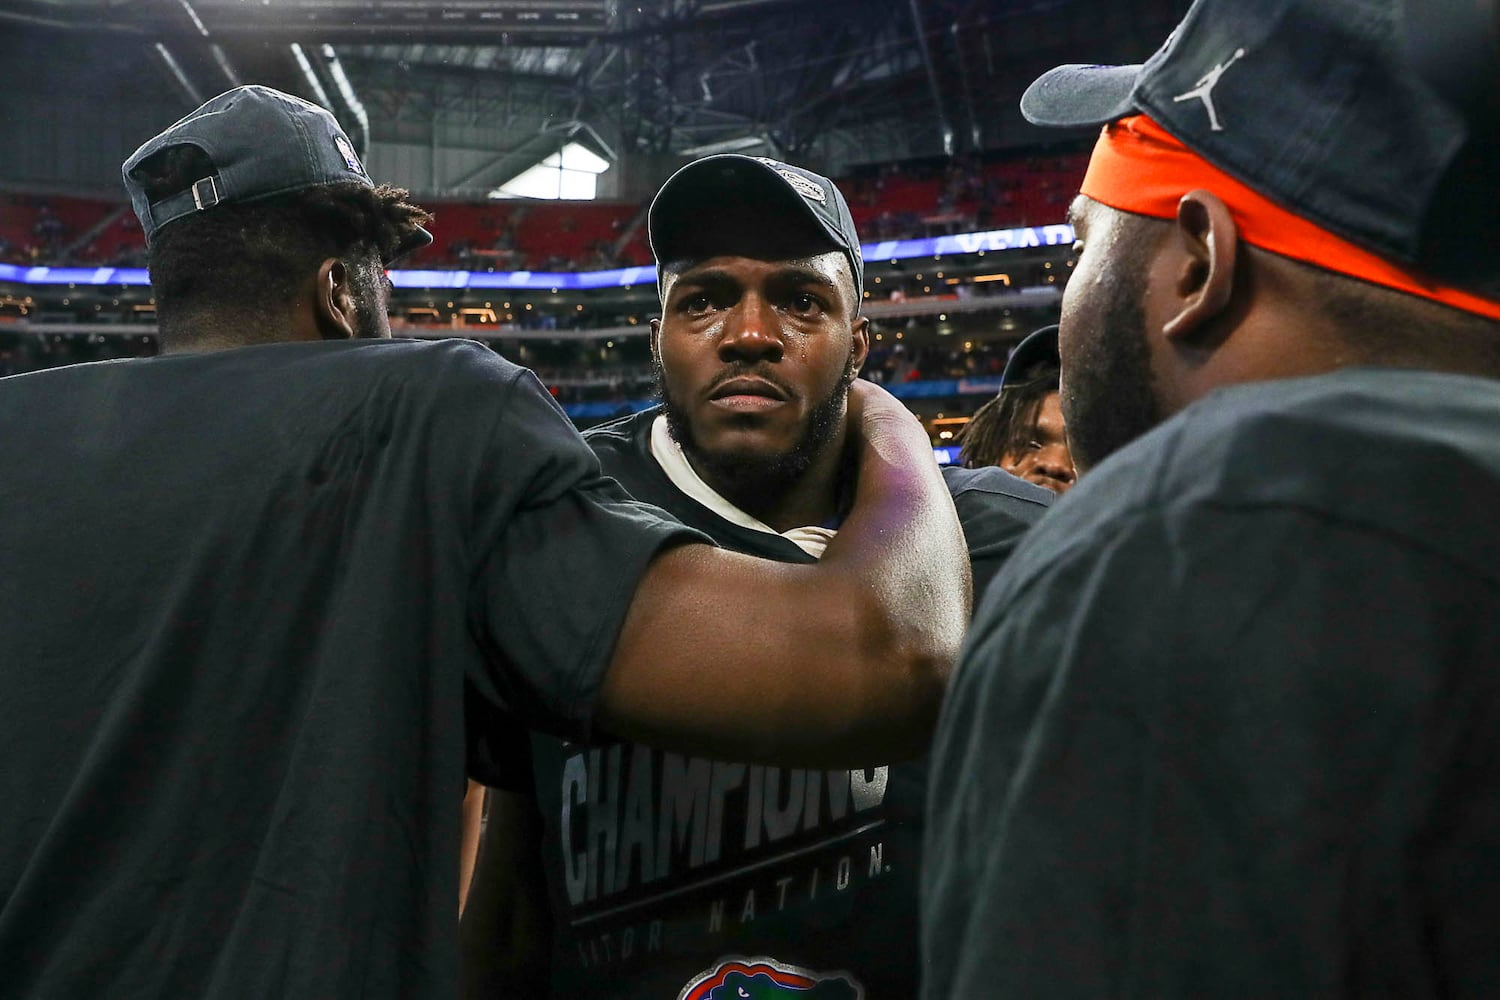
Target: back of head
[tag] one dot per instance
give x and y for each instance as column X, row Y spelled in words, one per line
column 1353, row 169
column 242, row 201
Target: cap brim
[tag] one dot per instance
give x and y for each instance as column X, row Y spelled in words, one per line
column 1077, row 95
column 415, row 240
column 686, row 218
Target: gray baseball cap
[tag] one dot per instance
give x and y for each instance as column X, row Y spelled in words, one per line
column 1313, row 103
column 686, row 219
column 262, row 143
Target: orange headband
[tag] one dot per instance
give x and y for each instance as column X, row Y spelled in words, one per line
column 1139, row 167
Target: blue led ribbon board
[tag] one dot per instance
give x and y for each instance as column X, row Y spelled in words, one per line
column 624, row 277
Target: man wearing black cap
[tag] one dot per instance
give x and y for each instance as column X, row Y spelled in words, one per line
column 1021, row 430
column 1226, row 724
column 672, row 876
column 266, row 597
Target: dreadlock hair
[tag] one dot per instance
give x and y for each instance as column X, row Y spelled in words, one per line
column 232, row 272
column 1005, row 423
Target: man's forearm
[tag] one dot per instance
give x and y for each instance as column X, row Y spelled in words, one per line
column 903, row 539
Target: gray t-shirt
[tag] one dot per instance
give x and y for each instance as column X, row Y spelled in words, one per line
column 1226, row 724
column 248, row 600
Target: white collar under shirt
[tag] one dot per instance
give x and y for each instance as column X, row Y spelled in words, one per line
column 812, row 539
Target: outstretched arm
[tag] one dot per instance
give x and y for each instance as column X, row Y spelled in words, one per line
column 835, row 664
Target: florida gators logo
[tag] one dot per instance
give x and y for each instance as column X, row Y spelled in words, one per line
column 767, row 979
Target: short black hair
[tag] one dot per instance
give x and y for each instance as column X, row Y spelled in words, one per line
column 1005, row 423
column 241, row 264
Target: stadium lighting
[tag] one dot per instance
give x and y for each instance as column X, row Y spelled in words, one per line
column 572, row 174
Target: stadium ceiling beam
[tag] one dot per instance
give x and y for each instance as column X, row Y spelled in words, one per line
column 710, row 15
column 557, row 23
column 634, row 87
column 507, row 164
column 966, row 90
column 373, row 69
column 920, row 29
column 515, row 109
column 39, row 14
column 710, row 117
column 361, row 23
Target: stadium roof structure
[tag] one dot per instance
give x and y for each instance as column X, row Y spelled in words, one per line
column 830, row 83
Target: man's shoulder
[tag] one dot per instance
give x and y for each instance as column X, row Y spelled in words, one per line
column 623, row 447
column 1407, row 454
column 272, row 372
column 627, row 437
column 426, row 362
column 453, row 357
column 992, row 485
column 1352, row 441
column 996, row 510
column 449, row 376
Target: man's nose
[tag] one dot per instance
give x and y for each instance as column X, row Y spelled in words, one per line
column 1055, row 461
column 752, row 332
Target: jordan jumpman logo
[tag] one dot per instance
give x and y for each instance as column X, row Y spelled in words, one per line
column 1204, row 89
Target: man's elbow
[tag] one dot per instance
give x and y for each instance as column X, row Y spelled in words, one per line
column 914, row 665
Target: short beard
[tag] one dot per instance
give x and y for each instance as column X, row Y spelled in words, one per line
column 746, row 479
column 1107, row 396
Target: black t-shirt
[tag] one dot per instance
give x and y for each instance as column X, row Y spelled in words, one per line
column 666, row 871
column 1229, row 722
column 246, row 598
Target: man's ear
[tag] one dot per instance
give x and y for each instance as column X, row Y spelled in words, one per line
column 333, row 301
column 1207, row 243
column 859, row 349
column 656, row 340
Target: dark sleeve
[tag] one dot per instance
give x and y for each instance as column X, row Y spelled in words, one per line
column 498, row 750
column 996, row 510
column 1220, row 754
column 563, row 548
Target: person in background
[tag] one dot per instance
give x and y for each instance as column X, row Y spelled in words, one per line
column 1225, row 724
column 1021, row 430
column 267, row 597
column 669, row 875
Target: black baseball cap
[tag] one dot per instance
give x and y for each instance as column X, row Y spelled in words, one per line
column 262, row 143
column 1313, row 103
column 696, row 212
column 1040, row 346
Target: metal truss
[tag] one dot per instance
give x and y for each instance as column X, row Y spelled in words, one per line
column 826, row 82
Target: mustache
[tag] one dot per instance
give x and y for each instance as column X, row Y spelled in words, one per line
column 735, row 371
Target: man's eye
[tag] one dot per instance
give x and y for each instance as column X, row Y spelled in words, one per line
column 696, row 303
column 804, row 303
